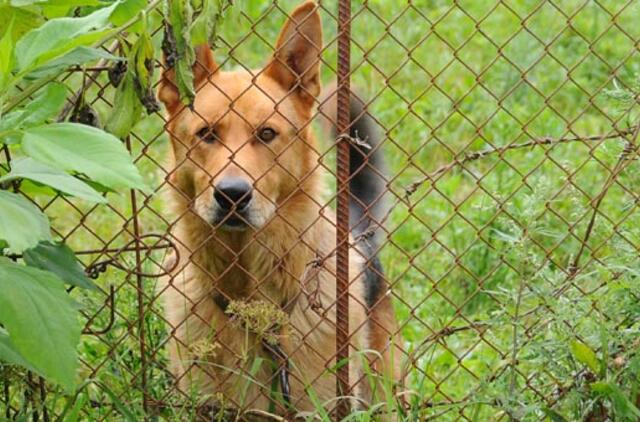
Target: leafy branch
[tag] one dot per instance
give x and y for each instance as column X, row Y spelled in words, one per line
column 39, row 327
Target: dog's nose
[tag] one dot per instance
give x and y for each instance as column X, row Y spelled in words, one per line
column 232, row 191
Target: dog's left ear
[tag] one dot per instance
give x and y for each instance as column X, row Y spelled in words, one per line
column 296, row 62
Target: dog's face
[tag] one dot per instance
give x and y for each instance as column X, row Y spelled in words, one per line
column 244, row 149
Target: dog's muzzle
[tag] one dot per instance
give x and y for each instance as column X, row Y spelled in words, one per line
column 233, row 197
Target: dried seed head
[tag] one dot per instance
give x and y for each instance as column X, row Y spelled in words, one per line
column 262, row 318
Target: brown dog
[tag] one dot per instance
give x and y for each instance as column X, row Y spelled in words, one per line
column 253, row 228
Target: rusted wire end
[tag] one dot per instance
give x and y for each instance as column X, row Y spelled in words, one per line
column 354, row 140
column 313, row 295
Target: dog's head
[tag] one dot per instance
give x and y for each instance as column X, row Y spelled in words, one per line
column 244, row 148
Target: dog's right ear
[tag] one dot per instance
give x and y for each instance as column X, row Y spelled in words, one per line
column 296, row 62
column 204, row 66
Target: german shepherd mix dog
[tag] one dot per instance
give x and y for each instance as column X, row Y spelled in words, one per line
column 253, row 229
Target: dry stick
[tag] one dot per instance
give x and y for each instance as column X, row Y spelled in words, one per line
column 623, row 162
column 500, row 150
column 438, row 335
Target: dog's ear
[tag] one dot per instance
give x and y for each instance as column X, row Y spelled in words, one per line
column 296, row 62
column 203, row 67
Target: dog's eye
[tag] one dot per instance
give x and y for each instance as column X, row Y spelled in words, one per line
column 207, row 134
column 267, row 134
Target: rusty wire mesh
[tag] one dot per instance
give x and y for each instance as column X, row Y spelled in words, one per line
column 510, row 136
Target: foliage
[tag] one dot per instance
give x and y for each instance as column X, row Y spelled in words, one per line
column 40, row 327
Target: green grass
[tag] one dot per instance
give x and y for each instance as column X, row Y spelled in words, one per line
column 483, row 248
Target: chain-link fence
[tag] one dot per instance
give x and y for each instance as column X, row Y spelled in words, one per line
column 500, row 256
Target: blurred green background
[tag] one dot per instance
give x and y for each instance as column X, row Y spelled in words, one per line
column 479, row 258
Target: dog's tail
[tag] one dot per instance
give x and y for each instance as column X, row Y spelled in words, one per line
column 367, row 208
column 367, row 212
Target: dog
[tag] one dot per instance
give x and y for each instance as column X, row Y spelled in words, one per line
column 251, row 301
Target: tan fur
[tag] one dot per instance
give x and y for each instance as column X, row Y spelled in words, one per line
column 272, row 260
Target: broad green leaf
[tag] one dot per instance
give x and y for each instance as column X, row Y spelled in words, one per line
column 28, row 168
column 97, row 186
column 24, row 19
column 126, row 108
column 23, row 3
column 204, row 28
column 41, row 319
column 58, row 36
column 46, row 104
column 585, row 355
column 202, row 25
column 84, row 149
column 10, row 137
column 126, row 10
column 9, row 354
column 77, row 56
column 22, row 224
column 57, row 258
column 60, row 8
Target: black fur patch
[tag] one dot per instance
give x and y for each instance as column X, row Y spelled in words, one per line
column 373, row 282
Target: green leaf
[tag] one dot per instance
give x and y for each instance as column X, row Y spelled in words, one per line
column 57, row 258
column 47, row 104
column 85, row 149
column 28, row 168
column 41, row 320
column 6, row 55
column 9, row 354
column 585, row 355
column 141, row 59
column 24, row 19
column 117, row 403
column 77, row 56
column 76, row 409
column 23, row 3
column 58, row 36
column 126, row 108
column 622, row 406
column 22, row 224
column 126, row 10
column 204, row 28
column 180, row 16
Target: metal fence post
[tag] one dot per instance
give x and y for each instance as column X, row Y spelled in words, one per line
column 342, row 220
